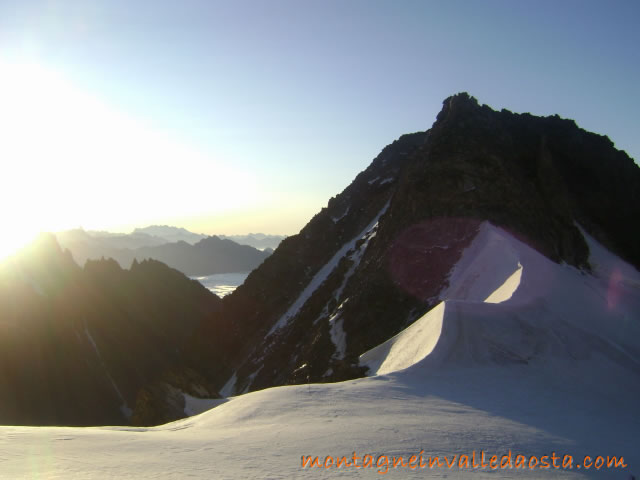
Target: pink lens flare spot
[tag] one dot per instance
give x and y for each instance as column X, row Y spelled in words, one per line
column 614, row 291
column 423, row 254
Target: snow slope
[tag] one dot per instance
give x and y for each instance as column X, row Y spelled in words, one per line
column 264, row 434
column 551, row 367
column 506, row 303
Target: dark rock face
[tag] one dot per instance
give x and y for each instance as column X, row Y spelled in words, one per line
column 162, row 400
column 78, row 344
column 347, row 282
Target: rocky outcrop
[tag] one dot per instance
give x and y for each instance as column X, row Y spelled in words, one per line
column 163, row 400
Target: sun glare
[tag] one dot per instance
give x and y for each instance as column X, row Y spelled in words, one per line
column 70, row 160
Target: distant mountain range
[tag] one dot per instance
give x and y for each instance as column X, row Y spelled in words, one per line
column 257, row 240
column 171, row 234
column 188, row 252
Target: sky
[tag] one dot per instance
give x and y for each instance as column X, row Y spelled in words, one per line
column 244, row 116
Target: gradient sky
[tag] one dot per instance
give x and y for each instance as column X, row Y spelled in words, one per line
column 238, row 116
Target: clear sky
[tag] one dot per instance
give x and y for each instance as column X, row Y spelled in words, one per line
column 237, row 116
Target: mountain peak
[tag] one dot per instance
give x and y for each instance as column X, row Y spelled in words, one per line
column 461, row 98
column 459, row 104
column 378, row 256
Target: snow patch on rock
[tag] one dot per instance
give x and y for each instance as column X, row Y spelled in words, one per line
column 322, row 275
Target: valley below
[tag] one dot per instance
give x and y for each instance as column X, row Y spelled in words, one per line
column 222, row 284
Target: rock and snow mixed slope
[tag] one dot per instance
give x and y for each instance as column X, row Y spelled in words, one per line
column 521, row 354
column 341, row 287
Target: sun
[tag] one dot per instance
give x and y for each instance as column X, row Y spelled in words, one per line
column 70, row 159
column 39, row 116
column 66, row 157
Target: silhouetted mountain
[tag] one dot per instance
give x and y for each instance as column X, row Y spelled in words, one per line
column 79, row 345
column 208, row 256
column 95, row 245
column 257, row 240
column 379, row 255
column 170, row 234
column 118, row 240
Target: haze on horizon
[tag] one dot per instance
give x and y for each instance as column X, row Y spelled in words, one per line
column 231, row 117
